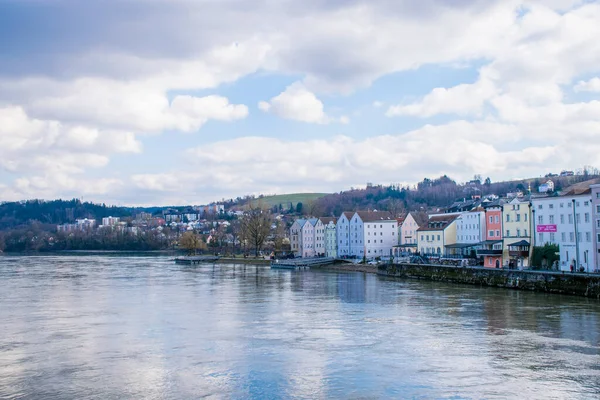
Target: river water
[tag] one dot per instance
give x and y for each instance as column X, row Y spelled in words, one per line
column 100, row 327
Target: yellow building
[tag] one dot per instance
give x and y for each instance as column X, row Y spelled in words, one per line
column 439, row 232
column 516, row 233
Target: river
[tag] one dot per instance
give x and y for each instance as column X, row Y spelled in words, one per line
column 107, row 327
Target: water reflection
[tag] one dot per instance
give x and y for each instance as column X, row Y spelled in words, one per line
column 106, row 327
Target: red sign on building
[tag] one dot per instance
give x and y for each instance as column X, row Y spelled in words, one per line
column 546, row 228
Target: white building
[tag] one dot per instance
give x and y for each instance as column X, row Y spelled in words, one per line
column 567, row 222
column 408, row 230
column 329, row 224
column 86, row 223
column 110, row 221
column 595, row 193
column 470, row 231
column 307, row 238
column 367, row 234
column 380, row 233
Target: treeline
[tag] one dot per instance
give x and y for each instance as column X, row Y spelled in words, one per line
column 429, row 194
column 57, row 212
column 36, row 237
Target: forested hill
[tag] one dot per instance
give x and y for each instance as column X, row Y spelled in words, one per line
column 430, row 194
column 13, row 214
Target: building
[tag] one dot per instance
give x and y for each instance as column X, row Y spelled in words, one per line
column 439, row 232
column 470, row 232
column 343, row 234
column 567, row 221
column 110, row 221
column 408, row 233
column 595, row 196
column 516, row 239
column 491, row 246
column 546, row 187
column 379, row 234
column 329, row 224
column 307, row 238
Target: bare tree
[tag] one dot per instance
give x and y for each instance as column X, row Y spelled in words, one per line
column 191, row 242
column 279, row 236
column 255, row 226
column 395, row 207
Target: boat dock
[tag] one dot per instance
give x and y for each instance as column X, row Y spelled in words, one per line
column 301, row 263
column 191, row 260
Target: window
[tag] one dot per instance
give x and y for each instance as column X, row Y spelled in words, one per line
column 552, row 237
column 570, row 218
column 540, row 238
column 562, row 219
column 507, row 217
column 496, row 219
column 569, row 204
column 598, row 208
column 438, row 237
column 562, row 205
column 491, row 219
column 598, row 223
column 497, row 233
column 586, row 203
column 540, row 219
column 586, row 217
column 382, row 241
column 578, row 218
column 577, row 204
column 427, row 237
column 368, row 241
column 518, row 232
column 518, row 217
column 525, row 217
column 598, row 195
column 563, row 237
column 422, row 237
column 551, row 206
column 508, row 232
column 491, row 233
column 598, row 238
column 551, row 218
column 571, row 237
column 525, row 234
column 588, row 237
column 540, row 207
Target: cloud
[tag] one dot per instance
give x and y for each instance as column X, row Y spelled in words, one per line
column 299, row 104
column 593, row 85
column 73, row 93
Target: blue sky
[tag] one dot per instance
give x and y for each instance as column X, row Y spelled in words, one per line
column 187, row 102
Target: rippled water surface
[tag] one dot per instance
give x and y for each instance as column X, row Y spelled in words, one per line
column 139, row 327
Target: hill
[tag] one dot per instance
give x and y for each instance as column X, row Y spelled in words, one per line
column 291, row 200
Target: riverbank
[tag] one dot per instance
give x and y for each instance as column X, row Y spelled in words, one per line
column 577, row 284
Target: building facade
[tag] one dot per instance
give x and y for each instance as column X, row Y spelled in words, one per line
column 595, row 195
column 439, row 233
column 307, row 238
column 516, row 239
column 491, row 248
column 380, row 233
column 567, row 221
column 343, row 234
column 329, row 225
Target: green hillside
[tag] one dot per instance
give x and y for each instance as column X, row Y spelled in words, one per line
column 294, row 198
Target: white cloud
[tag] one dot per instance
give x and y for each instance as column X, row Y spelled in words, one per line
column 593, row 85
column 464, row 99
column 297, row 103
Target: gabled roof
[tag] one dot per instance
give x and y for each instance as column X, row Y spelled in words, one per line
column 313, row 221
column 374, row 216
column 301, row 222
column 348, row 215
column 438, row 222
column 327, row 220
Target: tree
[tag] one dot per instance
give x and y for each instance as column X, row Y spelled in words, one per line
column 279, row 236
column 2, row 245
column 255, row 226
column 488, row 181
column 299, row 208
column 191, row 242
column 395, row 207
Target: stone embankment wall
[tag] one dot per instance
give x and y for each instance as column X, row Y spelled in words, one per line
column 587, row 285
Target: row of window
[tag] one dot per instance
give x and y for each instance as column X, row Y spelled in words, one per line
column 518, row 233
column 586, row 218
column 562, row 205
column 563, row 237
column 426, row 237
column 517, row 218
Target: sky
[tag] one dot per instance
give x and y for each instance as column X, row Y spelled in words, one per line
column 169, row 102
